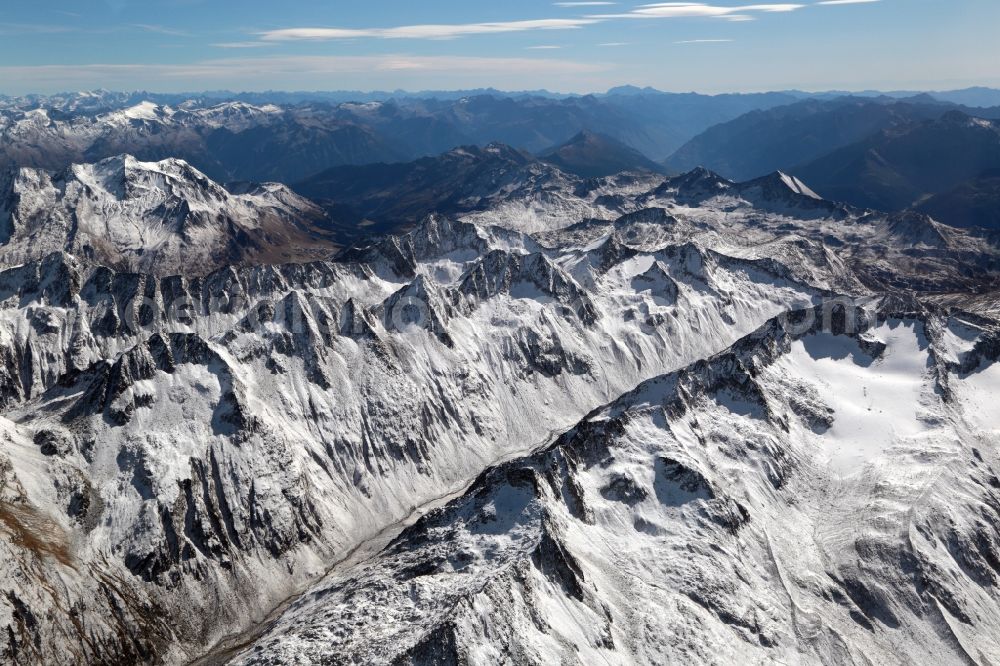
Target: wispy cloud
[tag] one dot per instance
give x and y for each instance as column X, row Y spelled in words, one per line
column 430, row 31
column 242, row 45
column 22, row 29
column 161, row 30
column 699, row 10
column 16, row 29
column 433, row 31
column 451, row 31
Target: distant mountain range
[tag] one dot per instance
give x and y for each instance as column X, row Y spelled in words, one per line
column 882, row 151
column 878, row 153
column 785, row 137
column 289, row 138
column 900, row 166
column 108, row 100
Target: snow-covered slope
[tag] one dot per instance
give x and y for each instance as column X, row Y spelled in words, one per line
column 291, row 412
column 164, row 217
column 813, row 496
column 185, row 453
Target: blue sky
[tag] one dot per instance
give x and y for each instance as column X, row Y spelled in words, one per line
column 720, row 46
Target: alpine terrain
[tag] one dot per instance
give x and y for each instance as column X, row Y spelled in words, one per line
column 478, row 378
column 531, row 417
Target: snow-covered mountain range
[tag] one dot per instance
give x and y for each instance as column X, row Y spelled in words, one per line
column 632, row 419
column 915, row 152
column 288, row 137
column 229, row 141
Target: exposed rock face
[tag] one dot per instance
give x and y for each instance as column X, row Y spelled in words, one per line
column 183, row 453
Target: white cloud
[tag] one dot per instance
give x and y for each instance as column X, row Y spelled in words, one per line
column 450, row 31
column 430, row 31
column 700, row 10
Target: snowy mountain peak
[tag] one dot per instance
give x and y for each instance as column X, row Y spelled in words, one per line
column 796, row 185
column 125, row 177
column 780, row 189
column 143, row 111
column 699, row 180
column 157, row 216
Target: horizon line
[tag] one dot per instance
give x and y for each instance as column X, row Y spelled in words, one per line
column 493, row 89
